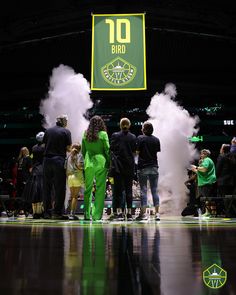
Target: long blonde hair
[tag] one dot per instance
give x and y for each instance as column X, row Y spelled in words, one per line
column 75, row 149
column 24, row 152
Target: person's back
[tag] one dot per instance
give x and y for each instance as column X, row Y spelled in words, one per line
column 72, row 163
column 96, row 153
column 123, row 145
column 224, row 167
column 57, row 141
column 33, row 193
column 96, row 150
column 38, row 153
column 123, row 148
column 75, row 178
column 24, row 165
column 148, row 146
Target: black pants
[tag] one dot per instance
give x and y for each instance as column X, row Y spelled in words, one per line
column 122, row 186
column 207, row 190
column 54, row 184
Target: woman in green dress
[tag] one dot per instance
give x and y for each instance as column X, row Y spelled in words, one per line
column 96, row 154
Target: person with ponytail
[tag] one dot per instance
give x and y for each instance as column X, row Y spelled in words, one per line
column 75, row 177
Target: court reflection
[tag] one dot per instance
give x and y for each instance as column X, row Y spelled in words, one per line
column 120, row 259
column 31, row 260
column 217, row 247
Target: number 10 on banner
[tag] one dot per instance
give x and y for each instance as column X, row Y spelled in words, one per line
column 120, row 38
column 118, row 52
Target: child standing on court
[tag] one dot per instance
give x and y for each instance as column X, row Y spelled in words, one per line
column 74, row 171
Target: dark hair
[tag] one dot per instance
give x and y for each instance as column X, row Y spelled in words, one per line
column 96, row 124
column 62, row 120
column 147, row 128
column 225, row 148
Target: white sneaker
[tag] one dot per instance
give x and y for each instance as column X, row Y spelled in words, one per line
column 3, row 214
column 206, row 215
column 157, row 217
column 21, row 216
column 142, row 217
column 73, row 217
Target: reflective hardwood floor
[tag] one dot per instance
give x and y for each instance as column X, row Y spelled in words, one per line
column 170, row 257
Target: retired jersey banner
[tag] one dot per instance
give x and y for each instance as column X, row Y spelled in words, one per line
column 118, row 52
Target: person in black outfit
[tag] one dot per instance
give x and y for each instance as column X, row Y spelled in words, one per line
column 24, row 166
column 57, row 141
column 225, row 170
column 33, row 191
column 23, row 171
column 123, row 148
column 148, row 146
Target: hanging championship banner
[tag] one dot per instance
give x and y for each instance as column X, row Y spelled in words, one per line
column 118, row 52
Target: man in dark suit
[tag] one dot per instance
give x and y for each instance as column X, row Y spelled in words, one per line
column 123, row 147
column 57, row 141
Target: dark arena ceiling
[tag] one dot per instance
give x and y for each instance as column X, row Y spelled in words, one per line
column 189, row 43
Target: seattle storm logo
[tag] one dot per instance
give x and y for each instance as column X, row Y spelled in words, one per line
column 118, row 72
column 214, row 276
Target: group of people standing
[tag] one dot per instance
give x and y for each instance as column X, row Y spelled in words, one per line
column 86, row 166
column 215, row 181
column 124, row 147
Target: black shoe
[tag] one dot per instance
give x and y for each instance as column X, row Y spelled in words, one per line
column 157, row 217
column 113, row 217
column 37, row 216
column 142, row 217
column 59, row 217
column 87, row 218
column 47, row 216
column 129, row 217
column 120, row 217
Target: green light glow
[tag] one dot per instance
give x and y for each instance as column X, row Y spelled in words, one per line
column 196, row 138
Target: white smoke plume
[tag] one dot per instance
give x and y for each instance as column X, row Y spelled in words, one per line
column 69, row 93
column 173, row 125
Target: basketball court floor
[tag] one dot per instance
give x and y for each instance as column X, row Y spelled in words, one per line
column 178, row 255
